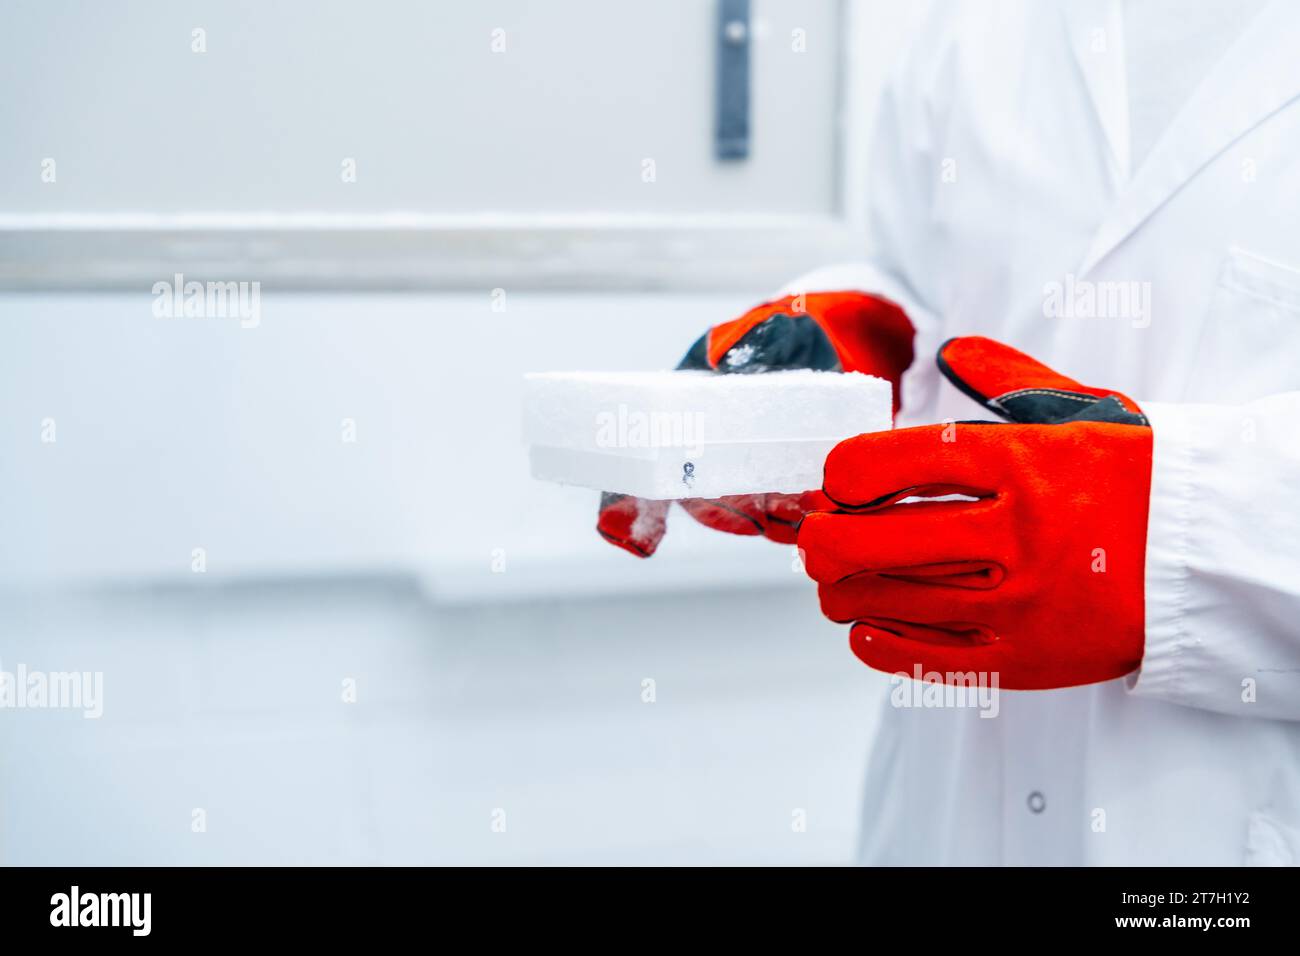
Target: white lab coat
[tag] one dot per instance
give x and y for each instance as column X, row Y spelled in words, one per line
column 1001, row 165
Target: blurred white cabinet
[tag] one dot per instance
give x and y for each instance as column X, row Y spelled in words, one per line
column 400, row 143
column 480, row 177
column 445, row 107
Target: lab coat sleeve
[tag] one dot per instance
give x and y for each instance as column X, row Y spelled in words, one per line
column 1223, row 558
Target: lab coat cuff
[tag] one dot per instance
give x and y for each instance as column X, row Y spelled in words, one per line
column 1165, row 661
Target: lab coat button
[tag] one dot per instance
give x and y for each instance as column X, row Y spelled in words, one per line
column 1037, row 802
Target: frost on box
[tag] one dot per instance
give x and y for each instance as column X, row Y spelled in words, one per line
column 688, row 434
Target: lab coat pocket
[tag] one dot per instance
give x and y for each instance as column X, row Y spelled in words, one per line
column 1251, row 333
column 1269, row 842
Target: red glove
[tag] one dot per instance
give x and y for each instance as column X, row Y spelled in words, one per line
column 832, row 331
column 1040, row 579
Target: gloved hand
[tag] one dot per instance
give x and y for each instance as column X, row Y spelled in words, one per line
column 1040, row 579
column 831, row 331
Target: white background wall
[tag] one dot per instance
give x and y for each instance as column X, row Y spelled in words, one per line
column 326, row 560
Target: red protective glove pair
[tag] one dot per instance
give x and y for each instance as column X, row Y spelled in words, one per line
column 832, row 331
column 1040, row 578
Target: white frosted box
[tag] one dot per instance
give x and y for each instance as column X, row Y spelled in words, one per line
column 695, row 434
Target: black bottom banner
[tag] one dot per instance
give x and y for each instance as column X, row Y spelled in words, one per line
column 208, row 906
